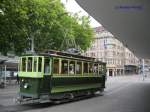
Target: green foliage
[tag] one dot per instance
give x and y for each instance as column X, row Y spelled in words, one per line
column 46, row 21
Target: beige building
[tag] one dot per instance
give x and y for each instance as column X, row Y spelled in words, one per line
column 131, row 62
column 108, row 49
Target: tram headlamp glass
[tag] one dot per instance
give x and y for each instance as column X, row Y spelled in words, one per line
column 26, row 86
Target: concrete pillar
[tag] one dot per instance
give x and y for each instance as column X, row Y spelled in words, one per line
column 123, row 72
column 107, row 72
column 143, row 69
column 113, row 72
column 120, row 72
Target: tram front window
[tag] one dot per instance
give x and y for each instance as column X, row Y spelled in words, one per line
column 29, row 64
column 34, row 64
column 40, row 64
column 23, row 65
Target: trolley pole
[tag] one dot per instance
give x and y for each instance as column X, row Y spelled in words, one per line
column 32, row 44
column 143, row 67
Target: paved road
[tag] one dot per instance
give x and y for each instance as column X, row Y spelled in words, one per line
column 123, row 94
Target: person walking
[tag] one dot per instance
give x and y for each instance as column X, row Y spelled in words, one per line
column 17, row 79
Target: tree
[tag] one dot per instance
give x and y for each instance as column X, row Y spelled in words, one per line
column 45, row 21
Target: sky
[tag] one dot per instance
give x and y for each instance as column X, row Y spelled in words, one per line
column 72, row 6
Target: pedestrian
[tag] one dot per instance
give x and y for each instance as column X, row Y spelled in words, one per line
column 17, row 79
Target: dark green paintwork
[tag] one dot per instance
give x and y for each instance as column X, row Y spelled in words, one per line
column 63, row 84
column 34, row 86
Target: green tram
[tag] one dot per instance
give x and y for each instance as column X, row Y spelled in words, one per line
column 55, row 75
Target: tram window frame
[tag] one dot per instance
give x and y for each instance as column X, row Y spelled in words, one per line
column 57, row 66
column 72, row 70
column 64, row 66
column 78, row 71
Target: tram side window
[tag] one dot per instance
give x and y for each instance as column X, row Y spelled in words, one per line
column 103, row 68
column 79, row 68
column 72, row 67
column 40, row 64
column 95, row 68
column 100, row 69
column 23, row 64
column 29, row 69
column 90, row 67
column 85, row 67
column 56, row 66
column 46, row 65
column 64, row 67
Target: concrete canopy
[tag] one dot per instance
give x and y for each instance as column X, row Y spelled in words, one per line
column 128, row 20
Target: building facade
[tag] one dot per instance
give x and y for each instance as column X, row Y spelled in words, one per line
column 131, row 62
column 109, row 49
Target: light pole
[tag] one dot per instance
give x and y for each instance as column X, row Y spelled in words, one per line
column 32, row 45
column 143, row 67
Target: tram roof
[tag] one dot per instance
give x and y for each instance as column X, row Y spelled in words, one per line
column 68, row 55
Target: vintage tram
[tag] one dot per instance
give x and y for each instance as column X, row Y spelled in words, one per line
column 54, row 75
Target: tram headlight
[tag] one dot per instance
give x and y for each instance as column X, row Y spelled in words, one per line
column 26, row 85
